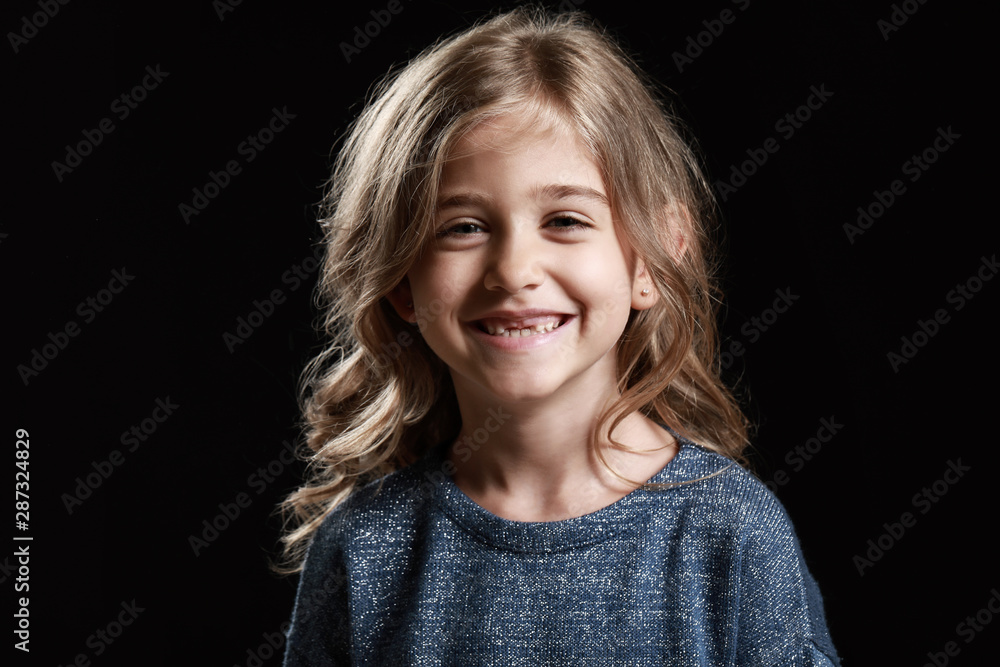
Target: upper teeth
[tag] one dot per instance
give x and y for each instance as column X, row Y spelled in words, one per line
column 529, row 331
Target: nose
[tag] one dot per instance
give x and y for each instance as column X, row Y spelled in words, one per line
column 516, row 261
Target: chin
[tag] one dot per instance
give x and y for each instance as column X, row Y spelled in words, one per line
column 523, row 395
column 515, row 388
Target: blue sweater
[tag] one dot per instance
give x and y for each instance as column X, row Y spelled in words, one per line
column 410, row 571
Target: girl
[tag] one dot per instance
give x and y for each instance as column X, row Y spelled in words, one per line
column 504, row 467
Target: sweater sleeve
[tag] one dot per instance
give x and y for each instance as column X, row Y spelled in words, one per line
column 320, row 632
column 781, row 621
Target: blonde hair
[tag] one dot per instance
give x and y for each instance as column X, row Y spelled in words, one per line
column 377, row 398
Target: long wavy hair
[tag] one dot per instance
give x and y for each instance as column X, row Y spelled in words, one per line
column 377, row 398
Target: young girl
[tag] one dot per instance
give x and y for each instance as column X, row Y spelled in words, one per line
column 521, row 451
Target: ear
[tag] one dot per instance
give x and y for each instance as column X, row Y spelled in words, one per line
column 402, row 300
column 644, row 293
column 680, row 229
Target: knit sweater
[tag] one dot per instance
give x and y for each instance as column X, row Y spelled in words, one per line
column 410, row 571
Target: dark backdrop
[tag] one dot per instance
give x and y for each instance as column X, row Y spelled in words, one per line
column 125, row 309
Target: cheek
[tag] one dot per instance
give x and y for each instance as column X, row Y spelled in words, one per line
column 611, row 302
column 435, row 296
column 606, row 278
column 428, row 279
column 609, row 317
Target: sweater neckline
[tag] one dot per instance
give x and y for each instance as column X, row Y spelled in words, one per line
column 624, row 514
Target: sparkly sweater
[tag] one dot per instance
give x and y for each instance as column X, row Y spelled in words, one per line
column 416, row 573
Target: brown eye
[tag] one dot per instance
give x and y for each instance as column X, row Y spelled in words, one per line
column 461, row 229
column 566, row 222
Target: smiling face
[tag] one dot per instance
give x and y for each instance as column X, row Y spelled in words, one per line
column 525, row 288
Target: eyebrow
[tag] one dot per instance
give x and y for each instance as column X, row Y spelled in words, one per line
column 570, row 192
column 552, row 191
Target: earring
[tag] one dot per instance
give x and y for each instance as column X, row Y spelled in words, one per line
column 409, row 304
column 644, row 292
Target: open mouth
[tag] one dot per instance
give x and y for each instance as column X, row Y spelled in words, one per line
column 531, row 326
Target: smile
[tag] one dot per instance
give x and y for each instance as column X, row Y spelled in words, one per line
column 511, row 331
column 522, row 328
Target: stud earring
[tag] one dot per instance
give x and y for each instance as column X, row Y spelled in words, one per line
column 644, row 292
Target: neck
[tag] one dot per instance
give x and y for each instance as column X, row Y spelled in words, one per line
column 534, row 461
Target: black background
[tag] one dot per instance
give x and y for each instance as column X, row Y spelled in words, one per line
column 162, row 336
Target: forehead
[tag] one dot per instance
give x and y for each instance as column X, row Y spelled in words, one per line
column 518, row 129
column 540, row 149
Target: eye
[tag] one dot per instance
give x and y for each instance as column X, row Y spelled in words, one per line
column 459, row 229
column 567, row 222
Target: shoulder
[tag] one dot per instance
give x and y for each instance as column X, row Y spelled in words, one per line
column 732, row 515
column 380, row 512
column 723, row 494
column 351, row 554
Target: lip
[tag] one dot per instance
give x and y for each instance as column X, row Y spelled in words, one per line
column 526, row 319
